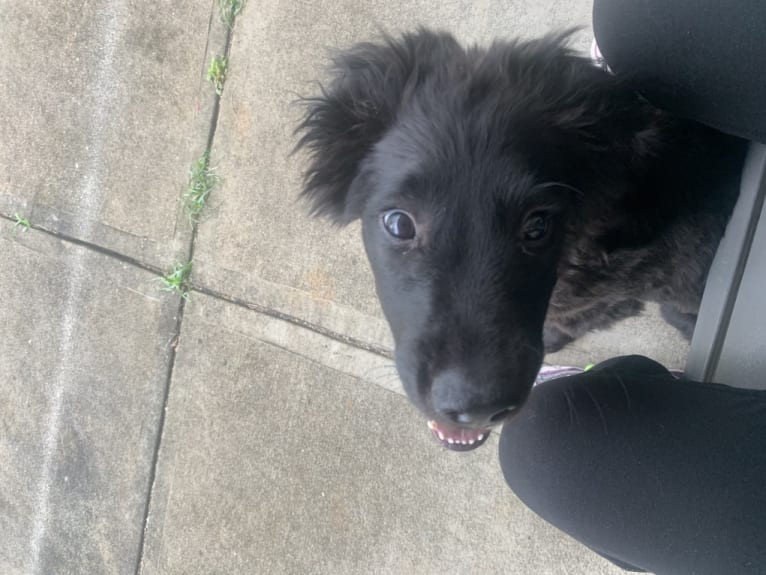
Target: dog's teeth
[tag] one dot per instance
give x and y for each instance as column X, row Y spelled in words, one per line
column 450, row 440
column 441, row 435
column 481, row 436
column 471, row 441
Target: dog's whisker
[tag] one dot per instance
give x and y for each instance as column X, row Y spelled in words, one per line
column 384, row 375
column 387, row 367
column 624, row 389
column 539, row 354
column 569, row 187
column 572, row 410
column 382, row 372
column 598, row 408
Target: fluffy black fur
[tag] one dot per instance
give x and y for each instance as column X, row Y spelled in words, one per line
column 548, row 199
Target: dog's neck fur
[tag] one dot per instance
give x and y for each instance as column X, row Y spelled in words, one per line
column 671, row 217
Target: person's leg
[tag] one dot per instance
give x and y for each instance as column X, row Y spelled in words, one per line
column 665, row 475
column 701, row 59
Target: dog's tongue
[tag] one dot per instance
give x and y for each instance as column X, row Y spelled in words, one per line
column 458, row 438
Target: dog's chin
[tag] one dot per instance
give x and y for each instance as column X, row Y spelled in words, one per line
column 458, row 438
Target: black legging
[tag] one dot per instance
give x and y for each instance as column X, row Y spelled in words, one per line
column 653, row 473
column 700, row 59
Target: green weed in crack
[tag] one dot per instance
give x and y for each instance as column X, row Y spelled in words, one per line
column 230, row 9
column 20, row 222
column 216, row 73
column 202, row 181
column 176, row 280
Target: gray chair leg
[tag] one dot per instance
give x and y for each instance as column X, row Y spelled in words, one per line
column 729, row 342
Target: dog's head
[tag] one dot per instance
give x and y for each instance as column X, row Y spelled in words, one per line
column 469, row 170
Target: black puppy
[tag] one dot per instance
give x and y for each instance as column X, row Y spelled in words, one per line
column 510, row 195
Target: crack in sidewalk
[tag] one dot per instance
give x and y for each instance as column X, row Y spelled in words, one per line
column 197, row 287
column 224, row 41
column 214, row 116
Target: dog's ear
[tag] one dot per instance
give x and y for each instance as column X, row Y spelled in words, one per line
column 341, row 126
column 576, row 108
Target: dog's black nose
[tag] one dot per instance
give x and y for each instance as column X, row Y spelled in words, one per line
column 457, row 401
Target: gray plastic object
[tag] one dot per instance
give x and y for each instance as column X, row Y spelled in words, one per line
column 729, row 343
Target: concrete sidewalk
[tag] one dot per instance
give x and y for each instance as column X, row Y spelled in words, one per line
column 259, row 426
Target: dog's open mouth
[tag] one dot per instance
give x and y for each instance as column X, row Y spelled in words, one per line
column 458, row 438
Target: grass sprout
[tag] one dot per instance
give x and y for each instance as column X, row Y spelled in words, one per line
column 21, row 222
column 202, row 181
column 216, row 73
column 230, row 9
column 176, row 280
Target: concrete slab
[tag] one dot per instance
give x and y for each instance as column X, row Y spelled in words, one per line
column 259, row 246
column 102, row 113
column 647, row 334
column 84, row 349
column 274, row 463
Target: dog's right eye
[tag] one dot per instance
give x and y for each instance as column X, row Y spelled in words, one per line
column 536, row 228
column 399, row 224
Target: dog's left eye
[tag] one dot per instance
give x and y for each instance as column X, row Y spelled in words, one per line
column 399, row 224
column 536, row 227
